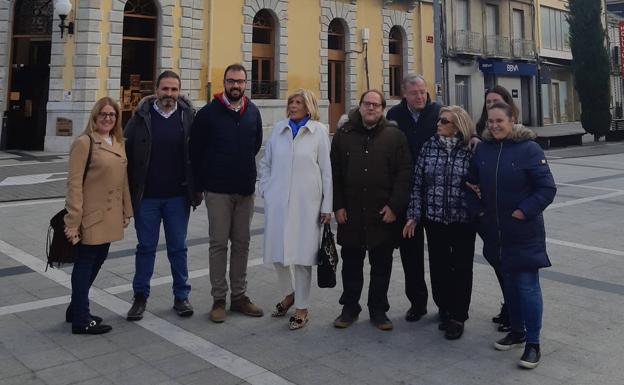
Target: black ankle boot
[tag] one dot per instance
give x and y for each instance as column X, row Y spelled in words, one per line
column 531, row 356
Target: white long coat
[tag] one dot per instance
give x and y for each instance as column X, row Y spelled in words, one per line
column 296, row 184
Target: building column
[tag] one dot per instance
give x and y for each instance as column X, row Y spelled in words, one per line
column 75, row 102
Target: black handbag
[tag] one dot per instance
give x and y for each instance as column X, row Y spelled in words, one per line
column 59, row 250
column 327, row 259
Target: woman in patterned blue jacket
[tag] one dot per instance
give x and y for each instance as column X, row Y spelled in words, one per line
column 439, row 200
column 515, row 185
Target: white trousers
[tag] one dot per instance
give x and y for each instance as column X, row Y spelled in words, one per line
column 303, row 278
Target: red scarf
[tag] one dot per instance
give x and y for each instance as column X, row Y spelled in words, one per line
column 220, row 96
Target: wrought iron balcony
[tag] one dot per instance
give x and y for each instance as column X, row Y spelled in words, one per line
column 524, row 49
column 264, row 89
column 497, row 46
column 467, row 42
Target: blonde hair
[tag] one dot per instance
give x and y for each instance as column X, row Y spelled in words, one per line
column 309, row 101
column 461, row 120
column 93, row 116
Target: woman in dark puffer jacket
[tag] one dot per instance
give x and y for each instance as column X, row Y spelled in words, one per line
column 510, row 173
column 438, row 199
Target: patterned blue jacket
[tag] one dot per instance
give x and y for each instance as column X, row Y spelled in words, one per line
column 439, row 192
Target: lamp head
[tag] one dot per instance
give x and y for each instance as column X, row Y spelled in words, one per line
column 63, row 7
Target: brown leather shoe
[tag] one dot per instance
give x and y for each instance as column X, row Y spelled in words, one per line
column 245, row 306
column 217, row 314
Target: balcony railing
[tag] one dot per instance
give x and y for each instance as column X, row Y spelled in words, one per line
column 264, row 89
column 497, row 46
column 522, row 48
column 468, row 42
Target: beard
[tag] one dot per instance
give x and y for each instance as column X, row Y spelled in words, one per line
column 234, row 98
column 167, row 101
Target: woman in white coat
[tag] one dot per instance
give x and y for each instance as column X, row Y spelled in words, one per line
column 296, row 184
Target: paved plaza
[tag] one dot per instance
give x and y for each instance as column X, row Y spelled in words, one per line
column 582, row 337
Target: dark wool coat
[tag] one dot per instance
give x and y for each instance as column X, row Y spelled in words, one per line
column 138, row 134
column 371, row 169
column 439, row 192
column 417, row 133
column 512, row 174
column 224, row 144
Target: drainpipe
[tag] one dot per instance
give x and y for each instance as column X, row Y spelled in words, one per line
column 439, row 42
column 538, row 75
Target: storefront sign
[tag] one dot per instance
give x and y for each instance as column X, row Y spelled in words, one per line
column 621, row 28
column 507, row 68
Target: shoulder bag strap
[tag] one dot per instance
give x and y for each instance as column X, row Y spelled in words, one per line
column 84, row 175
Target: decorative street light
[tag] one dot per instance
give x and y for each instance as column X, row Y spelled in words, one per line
column 63, row 7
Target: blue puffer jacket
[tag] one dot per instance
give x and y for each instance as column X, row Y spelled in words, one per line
column 512, row 174
column 439, row 191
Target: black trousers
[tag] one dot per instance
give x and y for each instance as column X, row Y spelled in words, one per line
column 451, row 254
column 413, row 259
column 380, row 259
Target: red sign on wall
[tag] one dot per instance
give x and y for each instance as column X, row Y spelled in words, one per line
column 430, row 38
column 621, row 30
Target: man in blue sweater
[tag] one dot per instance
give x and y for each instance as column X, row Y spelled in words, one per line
column 225, row 138
column 417, row 117
column 161, row 188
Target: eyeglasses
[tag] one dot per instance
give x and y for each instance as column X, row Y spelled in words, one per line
column 371, row 104
column 231, row 82
column 111, row 115
column 444, row 121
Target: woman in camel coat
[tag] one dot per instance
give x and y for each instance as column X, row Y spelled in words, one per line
column 98, row 206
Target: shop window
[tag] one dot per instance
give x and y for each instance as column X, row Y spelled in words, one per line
column 138, row 60
column 263, row 84
column 395, row 49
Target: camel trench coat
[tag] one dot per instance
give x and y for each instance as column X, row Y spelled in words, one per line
column 98, row 207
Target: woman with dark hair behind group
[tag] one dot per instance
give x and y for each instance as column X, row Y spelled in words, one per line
column 439, row 201
column 497, row 94
column 514, row 184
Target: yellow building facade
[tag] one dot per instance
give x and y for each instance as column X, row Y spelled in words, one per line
column 335, row 48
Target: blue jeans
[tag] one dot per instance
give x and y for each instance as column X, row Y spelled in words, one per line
column 174, row 213
column 87, row 263
column 523, row 297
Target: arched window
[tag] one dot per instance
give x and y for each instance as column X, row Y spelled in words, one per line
column 336, row 71
column 395, row 49
column 138, row 55
column 263, row 84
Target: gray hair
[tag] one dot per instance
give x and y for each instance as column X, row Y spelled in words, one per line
column 411, row 79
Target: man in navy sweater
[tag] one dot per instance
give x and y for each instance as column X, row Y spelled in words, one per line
column 161, row 187
column 417, row 117
column 225, row 138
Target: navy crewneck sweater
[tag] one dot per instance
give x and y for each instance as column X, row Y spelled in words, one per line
column 165, row 174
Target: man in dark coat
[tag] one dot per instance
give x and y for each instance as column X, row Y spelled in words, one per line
column 416, row 116
column 225, row 138
column 161, row 188
column 372, row 171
